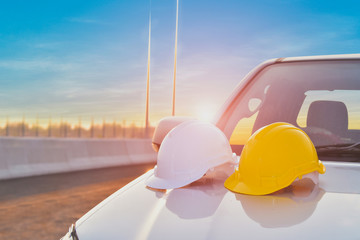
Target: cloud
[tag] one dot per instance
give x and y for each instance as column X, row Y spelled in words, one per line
column 35, row 65
column 309, row 37
column 84, row 20
column 47, row 45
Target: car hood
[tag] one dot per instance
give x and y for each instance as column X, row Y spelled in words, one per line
column 206, row 210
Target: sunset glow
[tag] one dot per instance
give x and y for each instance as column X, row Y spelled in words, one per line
column 90, row 60
column 205, row 112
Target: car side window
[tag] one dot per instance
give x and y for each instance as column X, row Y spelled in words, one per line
column 331, row 117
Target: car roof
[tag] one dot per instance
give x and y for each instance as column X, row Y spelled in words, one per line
column 320, row 57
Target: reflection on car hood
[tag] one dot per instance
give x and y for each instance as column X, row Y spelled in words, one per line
column 206, row 210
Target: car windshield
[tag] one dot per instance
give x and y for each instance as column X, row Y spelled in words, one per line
column 320, row 97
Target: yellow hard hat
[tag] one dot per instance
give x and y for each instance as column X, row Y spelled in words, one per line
column 273, row 157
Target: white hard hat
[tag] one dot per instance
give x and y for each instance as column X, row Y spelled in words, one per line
column 187, row 153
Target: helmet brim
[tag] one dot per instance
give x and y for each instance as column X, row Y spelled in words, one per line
column 164, row 183
column 234, row 185
column 322, row 168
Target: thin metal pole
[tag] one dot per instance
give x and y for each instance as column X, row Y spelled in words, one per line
column 148, row 81
column 65, row 129
column 104, row 128
column 37, row 126
column 23, row 126
column 133, row 130
column 61, row 127
column 175, row 56
column 124, row 129
column 49, row 128
column 92, row 128
column 114, row 128
column 79, row 128
column 7, row 126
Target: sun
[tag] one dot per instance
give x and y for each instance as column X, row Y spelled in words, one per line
column 205, row 113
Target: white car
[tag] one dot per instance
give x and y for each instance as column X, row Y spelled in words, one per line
column 320, row 95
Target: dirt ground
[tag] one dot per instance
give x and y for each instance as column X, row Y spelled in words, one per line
column 44, row 207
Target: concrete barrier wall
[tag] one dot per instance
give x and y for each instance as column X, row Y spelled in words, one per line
column 21, row 157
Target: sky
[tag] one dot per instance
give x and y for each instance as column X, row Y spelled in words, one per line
column 70, row 59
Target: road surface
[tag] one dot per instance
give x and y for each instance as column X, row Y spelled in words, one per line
column 44, row 207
